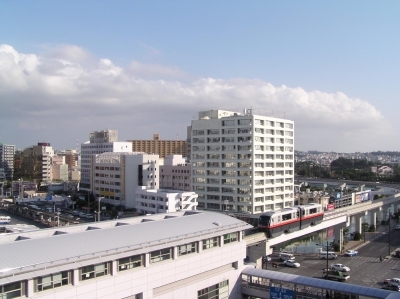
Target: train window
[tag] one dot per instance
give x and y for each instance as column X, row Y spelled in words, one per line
column 286, row 217
column 313, row 211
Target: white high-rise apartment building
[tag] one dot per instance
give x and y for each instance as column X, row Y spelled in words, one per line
column 7, row 160
column 100, row 142
column 242, row 162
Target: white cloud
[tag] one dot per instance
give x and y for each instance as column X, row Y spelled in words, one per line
column 68, row 88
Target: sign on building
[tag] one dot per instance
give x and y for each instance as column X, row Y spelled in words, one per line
column 281, row 293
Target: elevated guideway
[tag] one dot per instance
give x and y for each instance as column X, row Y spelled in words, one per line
column 331, row 219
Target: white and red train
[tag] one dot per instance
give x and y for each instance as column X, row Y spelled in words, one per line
column 276, row 223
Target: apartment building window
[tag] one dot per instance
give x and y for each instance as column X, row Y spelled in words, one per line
column 228, row 123
column 213, row 206
column 259, row 122
column 259, row 139
column 212, row 131
column 213, row 156
column 160, row 255
column 289, row 126
column 198, row 140
column 199, row 180
column 228, row 139
column 229, row 156
column 228, row 164
column 288, row 141
column 12, row 290
column 212, row 189
column 210, row 243
column 52, row 281
column 213, row 172
column 130, row 262
column 199, row 164
column 260, row 165
column 200, row 172
column 259, row 156
column 228, row 173
column 213, row 148
column 229, row 131
column 228, row 147
column 229, row 238
column 227, row 190
column 244, row 121
column 198, row 132
column 244, row 156
column 213, row 181
column 258, row 130
column 198, row 148
column 93, row 271
column 228, row 182
column 214, row 139
column 187, row 248
column 213, row 197
column 244, row 130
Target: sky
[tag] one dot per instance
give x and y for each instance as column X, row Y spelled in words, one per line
column 142, row 67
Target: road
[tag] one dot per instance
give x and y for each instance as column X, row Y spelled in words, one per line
column 366, row 268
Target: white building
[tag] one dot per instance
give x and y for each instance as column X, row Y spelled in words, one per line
column 116, row 176
column 100, row 142
column 7, row 160
column 242, row 162
column 175, row 173
column 180, row 255
column 151, row 201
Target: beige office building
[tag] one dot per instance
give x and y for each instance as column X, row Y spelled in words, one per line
column 159, row 147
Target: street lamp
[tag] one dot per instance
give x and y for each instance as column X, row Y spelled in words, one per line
column 226, row 204
column 327, row 262
column 98, row 210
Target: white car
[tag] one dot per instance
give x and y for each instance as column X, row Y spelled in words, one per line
column 267, row 258
column 340, row 267
column 351, row 253
column 291, row 263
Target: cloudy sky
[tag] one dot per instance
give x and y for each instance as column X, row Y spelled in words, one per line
column 144, row 67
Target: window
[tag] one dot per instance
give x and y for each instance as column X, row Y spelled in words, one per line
column 52, row 281
column 94, row 271
column 218, row 291
column 160, row 255
column 229, row 238
column 187, row 248
column 130, row 262
column 244, row 121
column 12, row 290
column 210, row 243
column 212, row 131
column 228, row 123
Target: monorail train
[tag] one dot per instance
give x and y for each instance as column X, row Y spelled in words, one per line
column 276, row 223
column 5, row 220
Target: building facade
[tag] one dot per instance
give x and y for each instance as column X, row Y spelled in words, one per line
column 36, row 162
column 152, row 201
column 162, row 148
column 99, row 142
column 7, row 160
column 175, row 173
column 242, row 162
column 116, row 176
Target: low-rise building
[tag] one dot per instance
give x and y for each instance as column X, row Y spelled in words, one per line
column 179, row 255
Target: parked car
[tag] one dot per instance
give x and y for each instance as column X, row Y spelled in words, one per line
column 391, row 287
column 397, row 226
column 267, row 258
column 392, row 281
column 340, row 267
column 89, row 216
column 291, row 263
column 350, row 253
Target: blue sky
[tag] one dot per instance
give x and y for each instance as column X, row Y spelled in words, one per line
column 144, row 67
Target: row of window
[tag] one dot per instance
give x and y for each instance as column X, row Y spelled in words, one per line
column 249, row 147
column 59, row 279
column 242, row 208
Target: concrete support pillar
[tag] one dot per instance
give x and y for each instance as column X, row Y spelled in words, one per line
column 339, row 235
column 29, row 288
column 240, row 236
column 374, row 215
column 200, row 246
column 221, row 241
column 114, row 268
column 359, row 221
column 147, row 259
column 75, row 277
column 256, row 252
column 175, row 253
